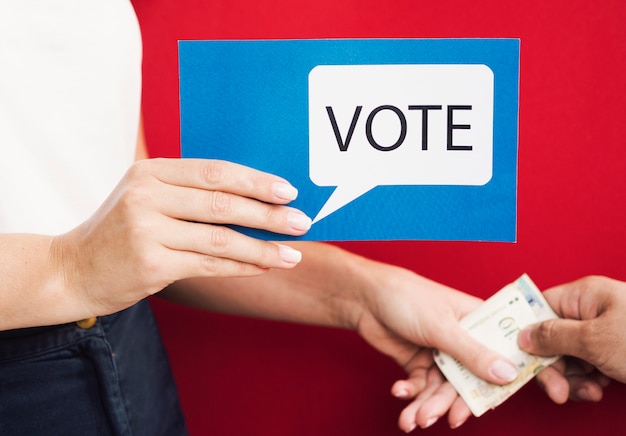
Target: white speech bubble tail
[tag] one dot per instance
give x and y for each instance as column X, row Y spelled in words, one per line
column 341, row 196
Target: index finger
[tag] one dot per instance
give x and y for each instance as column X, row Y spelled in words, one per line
column 582, row 299
column 219, row 175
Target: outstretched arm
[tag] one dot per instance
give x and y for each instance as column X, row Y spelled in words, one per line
column 398, row 312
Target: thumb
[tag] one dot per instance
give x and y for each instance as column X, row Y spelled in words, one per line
column 481, row 360
column 552, row 337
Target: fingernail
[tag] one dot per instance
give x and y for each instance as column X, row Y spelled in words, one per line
column 299, row 221
column 430, row 421
column 402, row 394
column 458, row 424
column 284, row 191
column 503, row 370
column 584, row 394
column 412, row 427
column 288, row 254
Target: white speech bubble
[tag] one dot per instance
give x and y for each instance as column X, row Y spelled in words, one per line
column 366, row 127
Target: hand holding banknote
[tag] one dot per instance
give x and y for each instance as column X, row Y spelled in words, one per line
column 406, row 320
column 496, row 324
column 593, row 331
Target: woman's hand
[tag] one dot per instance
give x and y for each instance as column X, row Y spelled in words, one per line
column 166, row 220
column 408, row 317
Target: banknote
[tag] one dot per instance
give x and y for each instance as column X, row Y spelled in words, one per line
column 496, row 323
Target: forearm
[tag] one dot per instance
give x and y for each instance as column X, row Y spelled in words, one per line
column 327, row 288
column 32, row 292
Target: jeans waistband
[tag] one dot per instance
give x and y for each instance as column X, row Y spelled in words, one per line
column 20, row 343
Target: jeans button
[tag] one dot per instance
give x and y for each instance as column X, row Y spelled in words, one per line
column 87, row 323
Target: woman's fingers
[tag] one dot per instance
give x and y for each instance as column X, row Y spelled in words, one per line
column 220, row 241
column 216, row 207
column 216, row 175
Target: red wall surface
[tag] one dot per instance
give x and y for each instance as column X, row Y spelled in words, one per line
column 249, row 377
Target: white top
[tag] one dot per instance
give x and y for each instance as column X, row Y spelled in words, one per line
column 70, row 91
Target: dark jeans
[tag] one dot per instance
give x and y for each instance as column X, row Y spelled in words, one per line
column 111, row 379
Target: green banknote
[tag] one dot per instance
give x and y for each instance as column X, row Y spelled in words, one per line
column 496, row 324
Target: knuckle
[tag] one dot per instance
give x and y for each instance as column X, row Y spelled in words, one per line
column 266, row 254
column 140, row 169
column 134, row 195
column 260, row 181
column 587, row 281
column 593, row 282
column 220, row 203
column 137, row 188
column 243, row 269
column 220, row 240
column 210, row 265
column 544, row 332
column 211, row 172
column 270, row 213
column 149, row 265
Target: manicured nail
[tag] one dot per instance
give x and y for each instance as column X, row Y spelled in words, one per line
column 503, row 370
column 458, row 424
column 284, row 191
column 412, row 427
column 402, row 394
column 299, row 221
column 430, row 421
column 288, row 254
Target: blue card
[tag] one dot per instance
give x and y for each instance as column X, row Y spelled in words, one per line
column 385, row 139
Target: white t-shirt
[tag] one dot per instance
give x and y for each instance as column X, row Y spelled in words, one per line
column 70, row 91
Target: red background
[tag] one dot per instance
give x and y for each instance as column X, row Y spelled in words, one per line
column 248, row 377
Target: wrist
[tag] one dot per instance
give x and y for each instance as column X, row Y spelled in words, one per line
column 375, row 285
column 64, row 279
column 338, row 280
column 33, row 290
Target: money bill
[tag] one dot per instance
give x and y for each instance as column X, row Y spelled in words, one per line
column 496, row 324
